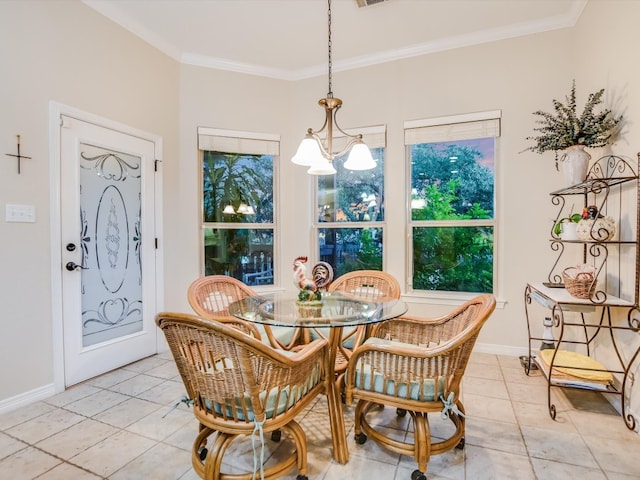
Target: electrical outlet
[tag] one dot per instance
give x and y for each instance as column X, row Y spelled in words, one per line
column 20, row 213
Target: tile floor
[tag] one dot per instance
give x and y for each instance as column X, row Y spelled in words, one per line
column 120, row 426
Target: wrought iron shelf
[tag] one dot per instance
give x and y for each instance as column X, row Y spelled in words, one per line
column 593, row 317
column 593, row 185
column 589, row 242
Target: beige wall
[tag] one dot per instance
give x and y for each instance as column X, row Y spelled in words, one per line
column 517, row 76
column 61, row 51
column 217, row 99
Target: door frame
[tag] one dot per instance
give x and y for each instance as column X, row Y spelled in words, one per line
column 56, row 110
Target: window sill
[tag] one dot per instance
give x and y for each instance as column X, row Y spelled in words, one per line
column 443, row 298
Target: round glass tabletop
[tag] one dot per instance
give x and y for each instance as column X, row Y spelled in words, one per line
column 334, row 310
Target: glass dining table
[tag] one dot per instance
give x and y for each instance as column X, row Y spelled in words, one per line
column 335, row 311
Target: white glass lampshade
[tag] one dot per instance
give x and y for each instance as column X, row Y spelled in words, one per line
column 308, row 152
column 250, row 210
column 360, row 158
column 229, row 210
column 323, row 167
column 243, row 208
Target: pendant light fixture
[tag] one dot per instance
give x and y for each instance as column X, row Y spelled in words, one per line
column 319, row 156
column 243, row 209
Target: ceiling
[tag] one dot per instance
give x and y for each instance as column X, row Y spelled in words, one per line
column 287, row 39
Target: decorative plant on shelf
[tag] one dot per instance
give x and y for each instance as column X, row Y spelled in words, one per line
column 565, row 130
column 575, row 218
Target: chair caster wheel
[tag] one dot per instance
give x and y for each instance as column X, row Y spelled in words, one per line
column 202, row 453
column 460, row 444
column 276, row 435
column 401, row 412
column 302, row 477
column 418, row 475
column 360, row 438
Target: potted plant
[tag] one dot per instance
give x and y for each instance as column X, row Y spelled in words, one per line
column 565, row 130
column 566, row 227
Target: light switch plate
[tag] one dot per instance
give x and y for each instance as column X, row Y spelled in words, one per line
column 20, row 213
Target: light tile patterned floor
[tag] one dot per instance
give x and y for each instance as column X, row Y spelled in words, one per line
column 120, row 426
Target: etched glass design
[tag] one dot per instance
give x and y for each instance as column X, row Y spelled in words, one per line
column 110, row 225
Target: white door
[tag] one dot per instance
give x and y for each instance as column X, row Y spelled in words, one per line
column 108, row 245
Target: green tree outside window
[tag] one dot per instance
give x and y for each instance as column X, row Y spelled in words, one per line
column 452, row 212
column 240, row 243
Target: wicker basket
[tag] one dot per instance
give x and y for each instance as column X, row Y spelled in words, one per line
column 312, row 309
column 579, row 283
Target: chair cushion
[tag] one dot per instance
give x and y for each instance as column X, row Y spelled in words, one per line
column 270, row 406
column 410, row 391
column 385, row 341
column 289, row 396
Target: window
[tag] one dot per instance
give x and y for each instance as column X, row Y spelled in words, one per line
column 349, row 222
column 238, row 225
column 451, row 163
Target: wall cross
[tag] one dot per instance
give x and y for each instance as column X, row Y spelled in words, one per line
column 19, row 156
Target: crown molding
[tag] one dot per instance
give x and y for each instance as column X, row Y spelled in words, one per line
column 522, row 29
column 238, row 67
column 567, row 20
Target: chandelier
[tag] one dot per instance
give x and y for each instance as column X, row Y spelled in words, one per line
column 319, row 156
column 243, row 209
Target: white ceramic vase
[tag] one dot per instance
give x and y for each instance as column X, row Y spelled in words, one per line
column 575, row 164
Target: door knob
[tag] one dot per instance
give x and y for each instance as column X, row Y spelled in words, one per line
column 71, row 266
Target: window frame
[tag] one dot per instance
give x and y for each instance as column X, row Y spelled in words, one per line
column 235, row 139
column 452, row 128
column 375, row 137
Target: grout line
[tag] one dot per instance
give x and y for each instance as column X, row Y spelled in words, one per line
column 317, row 407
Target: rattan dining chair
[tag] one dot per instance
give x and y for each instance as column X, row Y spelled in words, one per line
column 238, row 386
column 416, row 365
column 371, row 285
column 210, row 297
column 367, row 284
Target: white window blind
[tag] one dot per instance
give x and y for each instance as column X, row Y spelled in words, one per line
column 231, row 141
column 452, row 128
column 374, row 137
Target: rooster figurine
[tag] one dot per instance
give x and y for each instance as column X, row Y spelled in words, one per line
column 591, row 212
column 310, row 289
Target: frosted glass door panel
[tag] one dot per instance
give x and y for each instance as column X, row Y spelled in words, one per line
column 110, row 209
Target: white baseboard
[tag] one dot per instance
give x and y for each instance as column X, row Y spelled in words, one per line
column 26, row 398
column 500, row 349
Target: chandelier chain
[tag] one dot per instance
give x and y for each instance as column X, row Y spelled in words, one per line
column 330, row 93
column 316, row 151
